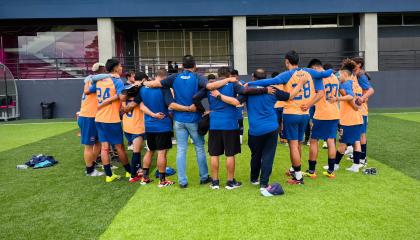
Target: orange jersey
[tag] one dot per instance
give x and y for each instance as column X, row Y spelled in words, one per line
column 304, row 96
column 89, row 105
column 105, row 89
column 324, row 110
column 279, row 104
column 133, row 122
column 349, row 116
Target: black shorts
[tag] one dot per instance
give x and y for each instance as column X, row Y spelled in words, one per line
column 224, row 141
column 159, row 141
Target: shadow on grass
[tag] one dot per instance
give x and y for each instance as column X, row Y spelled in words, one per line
column 395, row 142
column 58, row 202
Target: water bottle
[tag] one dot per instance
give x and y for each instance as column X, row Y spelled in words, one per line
column 24, row 166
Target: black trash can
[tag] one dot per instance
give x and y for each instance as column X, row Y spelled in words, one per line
column 47, row 110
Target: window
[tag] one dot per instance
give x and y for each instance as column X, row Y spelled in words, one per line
column 411, row 18
column 297, row 20
column 345, row 20
column 390, row 19
column 270, row 21
column 300, row 21
column 324, row 20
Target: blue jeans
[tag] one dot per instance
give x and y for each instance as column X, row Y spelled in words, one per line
column 183, row 130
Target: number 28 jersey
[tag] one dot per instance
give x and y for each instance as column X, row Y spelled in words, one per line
column 304, row 96
column 105, row 89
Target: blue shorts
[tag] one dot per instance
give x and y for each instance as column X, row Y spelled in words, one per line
column 88, row 132
column 279, row 112
column 351, row 134
column 324, row 129
column 130, row 136
column 294, row 126
column 365, row 125
column 111, row 133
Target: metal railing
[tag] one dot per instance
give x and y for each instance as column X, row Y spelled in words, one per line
column 399, row 60
column 275, row 62
column 50, row 68
column 205, row 64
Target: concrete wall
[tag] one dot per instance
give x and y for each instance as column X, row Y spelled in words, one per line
column 393, row 89
column 65, row 93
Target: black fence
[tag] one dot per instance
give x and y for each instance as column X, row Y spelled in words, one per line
column 275, row 62
column 399, row 60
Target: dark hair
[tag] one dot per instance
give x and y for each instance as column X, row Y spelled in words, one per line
column 211, row 77
column 259, row 73
column 359, row 60
column 293, row 57
column 111, row 64
column 161, row 73
column 328, row 66
column 223, row 72
column 129, row 74
column 315, row 62
column 274, row 74
column 140, row 76
column 234, row 72
column 188, row 61
column 348, row 65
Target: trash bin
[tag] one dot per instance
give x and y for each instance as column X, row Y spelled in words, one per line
column 47, row 110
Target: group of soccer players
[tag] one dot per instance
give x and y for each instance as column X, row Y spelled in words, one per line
column 151, row 109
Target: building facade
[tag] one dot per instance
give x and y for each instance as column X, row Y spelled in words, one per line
column 42, row 40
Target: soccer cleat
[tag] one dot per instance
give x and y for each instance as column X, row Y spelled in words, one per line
column 336, row 167
column 165, row 183
column 112, row 178
column 363, row 163
column 215, row 184
column 255, row 182
column 127, row 175
column 309, row 174
column 207, row 180
column 265, row 192
column 294, row 181
column 354, row 168
column 230, row 185
column 329, row 175
column 290, row 173
column 145, row 180
column 95, row 173
column 134, row 179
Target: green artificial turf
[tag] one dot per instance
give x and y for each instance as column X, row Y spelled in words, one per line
column 61, row 203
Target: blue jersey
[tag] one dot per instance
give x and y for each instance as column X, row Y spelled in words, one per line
column 185, row 86
column 240, row 110
column 223, row 115
column 261, row 113
column 157, row 100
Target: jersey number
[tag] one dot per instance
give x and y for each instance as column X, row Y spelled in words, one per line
column 306, row 91
column 102, row 96
column 331, row 90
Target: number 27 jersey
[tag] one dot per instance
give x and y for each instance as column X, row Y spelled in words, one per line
column 105, row 89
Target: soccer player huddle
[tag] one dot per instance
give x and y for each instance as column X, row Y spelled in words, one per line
column 152, row 109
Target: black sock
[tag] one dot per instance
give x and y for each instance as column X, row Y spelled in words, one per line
column 331, row 163
column 338, row 157
column 356, row 157
column 90, row 169
column 107, row 169
column 146, row 172
column 135, row 163
column 363, row 155
column 127, row 167
column 312, row 165
column 297, row 169
column 162, row 176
